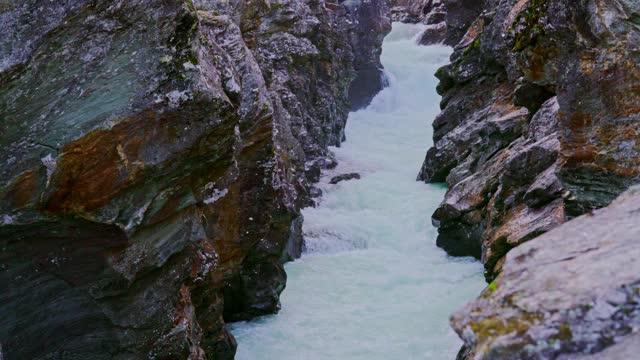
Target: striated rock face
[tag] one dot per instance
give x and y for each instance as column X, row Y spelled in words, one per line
column 572, row 293
column 540, row 121
column 154, row 164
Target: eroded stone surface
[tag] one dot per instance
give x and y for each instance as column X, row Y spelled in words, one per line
column 539, row 123
column 571, row 292
column 154, row 164
column 344, row 177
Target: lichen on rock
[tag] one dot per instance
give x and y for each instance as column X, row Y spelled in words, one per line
column 571, row 292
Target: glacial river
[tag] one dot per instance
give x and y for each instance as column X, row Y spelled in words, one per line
column 372, row 283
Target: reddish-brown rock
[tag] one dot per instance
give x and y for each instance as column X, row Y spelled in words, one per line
column 540, row 122
column 154, row 165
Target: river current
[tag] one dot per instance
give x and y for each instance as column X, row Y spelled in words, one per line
column 372, row 284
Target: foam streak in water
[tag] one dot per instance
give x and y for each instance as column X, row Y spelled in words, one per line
column 372, row 284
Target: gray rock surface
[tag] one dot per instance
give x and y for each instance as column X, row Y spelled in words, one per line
column 154, row 164
column 446, row 20
column 628, row 348
column 539, row 123
column 569, row 293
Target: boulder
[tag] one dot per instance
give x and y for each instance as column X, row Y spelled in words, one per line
column 572, row 293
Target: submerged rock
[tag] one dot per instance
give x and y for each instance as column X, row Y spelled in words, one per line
column 314, row 168
column 154, row 170
column 344, row 177
column 571, row 292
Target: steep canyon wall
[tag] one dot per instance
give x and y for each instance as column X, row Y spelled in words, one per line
column 156, row 155
column 540, row 124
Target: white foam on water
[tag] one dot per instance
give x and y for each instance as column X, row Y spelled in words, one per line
column 372, row 284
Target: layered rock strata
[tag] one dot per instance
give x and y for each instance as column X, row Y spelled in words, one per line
column 155, row 160
column 540, row 122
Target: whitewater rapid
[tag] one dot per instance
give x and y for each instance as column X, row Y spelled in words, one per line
column 372, row 284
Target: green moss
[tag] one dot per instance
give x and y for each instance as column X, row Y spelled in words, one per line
column 474, row 46
column 490, row 329
column 533, row 30
column 186, row 29
column 446, row 81
column 190, row 5
column 493, row 286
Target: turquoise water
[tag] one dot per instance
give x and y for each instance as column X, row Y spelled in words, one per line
column 372, row 284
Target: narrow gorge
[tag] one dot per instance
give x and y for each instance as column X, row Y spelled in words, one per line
column 169, row 167
column 372, row 284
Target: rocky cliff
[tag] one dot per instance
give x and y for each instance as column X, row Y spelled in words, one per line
column 446, row 20
column 572, row 293
column 155, row 157
column 540, row 124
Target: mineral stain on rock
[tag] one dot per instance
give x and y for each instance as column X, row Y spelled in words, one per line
column 154, row 164
column 156, row 154
column 539, row 125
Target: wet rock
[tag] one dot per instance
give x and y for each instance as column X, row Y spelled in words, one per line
column 572, row 293
column 411, row 11
column 371, row 24
column 465, row 353
column 154, row 165
column 344, row 177
column 313, row 173
column 460, row 16
column 315, row 192
column 314, row 168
